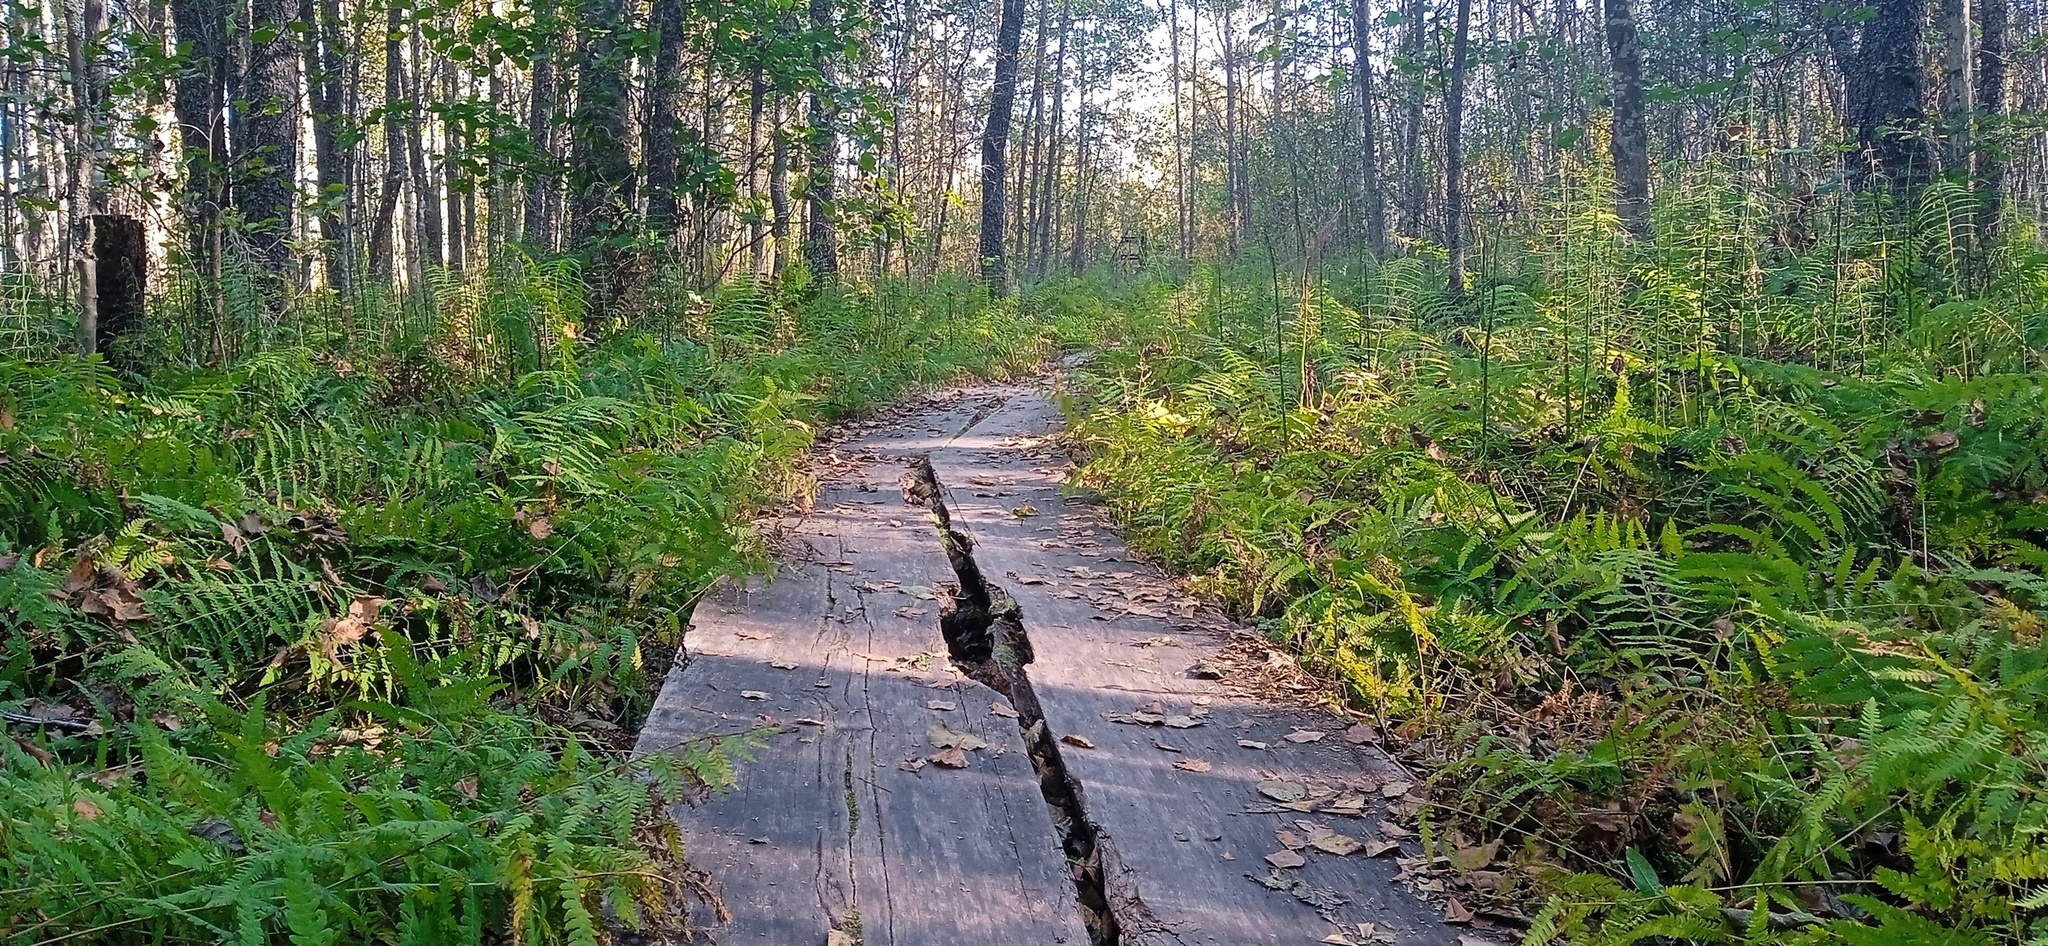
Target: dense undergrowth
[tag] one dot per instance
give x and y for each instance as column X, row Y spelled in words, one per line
column 343, row 643
column 1708, row 578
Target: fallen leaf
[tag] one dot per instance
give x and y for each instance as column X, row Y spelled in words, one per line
column 1338, row 844
column 1338, row 939
column 753, row 695
column 1076, row 739
column 1281, row 790
column 951, row 758
column 911, row 765
column 1250, row 744
column 1395, row 789
column 1455, row 912
column 1002, row 709
column 1025, row 511
column 1182, row 722
column 1475, row 858
column 353, row 625
column 909, row 613
column 1285, row 858
column 467, row 786
column 1392, row 830
column 943, row 736
column 1193, row 765
column 1305, row 735
column 540, row 528
column 86, row 809
column 943, row 706
column 782, row 665
column 809, row 721
column 1377, row 848
column 1362, row 735
column 1290, row 840
column 1349, row 803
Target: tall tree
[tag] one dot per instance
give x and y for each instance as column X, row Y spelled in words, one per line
column 324, row 42
column 995, row 145
column 1368, row 131
column 821, row 233
column 201, row 27
column 268, row 162
column 1886, row 78
column 1454, row 151
column 539, row 231
column 601, row 161
column 1630, row 142
column 664, row 114
column 1988, row 156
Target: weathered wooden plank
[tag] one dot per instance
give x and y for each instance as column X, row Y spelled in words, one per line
column 1189, row 845
column 839, row 822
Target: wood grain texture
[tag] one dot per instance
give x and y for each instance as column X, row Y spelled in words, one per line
column 1185, row 840
column 829, row 823
column 827, row 829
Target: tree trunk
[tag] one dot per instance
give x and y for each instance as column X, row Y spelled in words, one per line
column 1368, row 133
column 1957, row 94
column 1988, row 157
column 84, row 48
column 821, row 237
column 1887, row 99
column 196, row 100
column 269, row 158
column 330, row 160
column 1235, row 197
column 383, row 230
column 120, row 254
column 664, row 114
column 1049, row 175
column 1411, row 138
column 1630, row 141
column 778, row 187
column 1454, row 153
column 539, row 231
column 427, row 237
column 1077, row 251
column 995, row 145
column 600, row 166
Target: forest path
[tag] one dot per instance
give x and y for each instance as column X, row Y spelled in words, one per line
column 1113, row 795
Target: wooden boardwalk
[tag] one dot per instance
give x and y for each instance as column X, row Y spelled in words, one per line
column 904, row 803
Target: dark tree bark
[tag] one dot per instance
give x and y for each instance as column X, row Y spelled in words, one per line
column 601, row 167
column 539, row 231
column 1630, row 143
column 269, row 158
column 1454, row 152
column 383, row 229
column 202, row 34
column 120, row 253
column 1375, row 206
column 1411, row 138
column 664, row 108
column 1887, row 98
column 995, row 146
column 1988, row 160
column 821, row 235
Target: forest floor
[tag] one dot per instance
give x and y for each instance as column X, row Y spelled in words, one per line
column 1129, row 767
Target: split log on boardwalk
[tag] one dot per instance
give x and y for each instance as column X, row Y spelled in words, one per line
column 1109, row 794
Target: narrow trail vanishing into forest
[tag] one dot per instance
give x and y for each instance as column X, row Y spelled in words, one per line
column 1069, row 762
